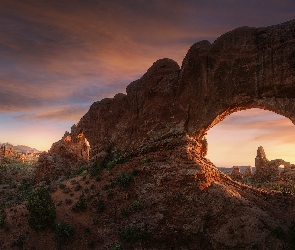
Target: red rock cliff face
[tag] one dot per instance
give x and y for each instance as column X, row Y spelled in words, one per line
column 244, row 68
column 148, row 118
column 172, row 108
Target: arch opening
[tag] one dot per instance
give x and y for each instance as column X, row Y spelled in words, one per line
column 234, row 136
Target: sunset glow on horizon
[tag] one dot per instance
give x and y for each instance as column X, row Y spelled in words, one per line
column 234, row 141
column 58, row 57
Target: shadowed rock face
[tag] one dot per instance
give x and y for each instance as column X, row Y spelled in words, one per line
column 172, row 108
column 245, row 68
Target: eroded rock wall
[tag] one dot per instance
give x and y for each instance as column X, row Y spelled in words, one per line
column 169, row 107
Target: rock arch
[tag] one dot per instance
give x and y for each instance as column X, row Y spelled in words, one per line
column 170, row 108
column 245, row 68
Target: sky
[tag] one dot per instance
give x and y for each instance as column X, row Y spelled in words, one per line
column 58, row 57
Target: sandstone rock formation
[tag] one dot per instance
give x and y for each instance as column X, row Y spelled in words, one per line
column 236, row 174
column 164, row 117
column 269, row 170
column 248, row 172
column 265, row 170
column 66, row 156
column 6, row 151
column 172, row 108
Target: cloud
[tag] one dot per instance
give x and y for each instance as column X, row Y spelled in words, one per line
column 57, row 52
column 57, row 57
column 234, row 141
column 60, row 114
column 261, row 125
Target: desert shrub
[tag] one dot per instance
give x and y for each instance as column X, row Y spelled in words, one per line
column 26, row 185
column 82, row 170
column 68, row 201
column 100, row 206
column 144, row 160
column 66, row 190
column 62, row 232
column 2, row 216
column 110, row 165
column 91, row 244
column 113, row 183
column 116, row 158
column 132, row 234
column 84, row 173
column 106, row 187
column 80, row 205
column 78, row 187
column 277, row 187
column 134, row 172
column 126, row 212
column 41, row 209
column 47, row 181
column 137, row 206
column 73, row 182
column 278, row 232
column 117, row 246
column 124, row 178
column 108, row 162
column 98, row 167
column 291, row 235
column 62, row 186
column 110, row 194
column 19, row 242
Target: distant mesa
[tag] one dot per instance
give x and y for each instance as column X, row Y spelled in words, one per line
column 20, row 152
column 21, row 148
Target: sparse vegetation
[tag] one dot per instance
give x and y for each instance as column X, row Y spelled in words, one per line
column 80, row 205
column 108, row 162
column 137, row 206
column 74, row 182
column 78, row 187
column 110, row 194
column 41, row 209
column 291, row 235
column 66, row 190
column 68, row 201
column 19, row 242
column 62, row 232
column 124, row 179
column 82, row 170
column 126, row 212
column 100, row 206
column 117, row 246
column 144, row 160
column 279, row 233
column 2, row 216
column 132, row 234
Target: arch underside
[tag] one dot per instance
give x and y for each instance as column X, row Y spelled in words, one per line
column 280, row 106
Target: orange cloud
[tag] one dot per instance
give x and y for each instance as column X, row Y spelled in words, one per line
column 60, row 114
column 235, row 140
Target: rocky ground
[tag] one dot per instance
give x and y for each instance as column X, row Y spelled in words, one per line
column 158, row 201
